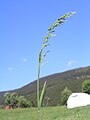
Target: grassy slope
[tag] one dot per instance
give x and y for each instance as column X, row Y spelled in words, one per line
column 47, row 113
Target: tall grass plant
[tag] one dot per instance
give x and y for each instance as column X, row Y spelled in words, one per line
column 42, row 55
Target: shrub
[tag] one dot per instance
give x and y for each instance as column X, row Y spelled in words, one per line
column 65, row 95
column 86, row 86
column 14, row 100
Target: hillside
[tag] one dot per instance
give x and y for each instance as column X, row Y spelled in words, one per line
column 55, row 84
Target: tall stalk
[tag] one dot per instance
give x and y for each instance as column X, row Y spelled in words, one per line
column 50, row 33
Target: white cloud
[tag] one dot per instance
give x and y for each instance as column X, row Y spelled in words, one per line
column 10, row 68
column 24, row 59
column 71, row 62
column 44, row 64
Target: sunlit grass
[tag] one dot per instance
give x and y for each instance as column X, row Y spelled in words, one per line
column 47, row 113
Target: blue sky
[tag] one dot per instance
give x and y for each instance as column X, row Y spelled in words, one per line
column 23, row 25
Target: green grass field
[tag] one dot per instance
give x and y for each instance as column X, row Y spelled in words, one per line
column 47, row 113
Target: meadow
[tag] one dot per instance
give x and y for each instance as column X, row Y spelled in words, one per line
column 47, row 113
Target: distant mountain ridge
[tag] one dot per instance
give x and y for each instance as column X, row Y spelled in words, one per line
column 55, row 84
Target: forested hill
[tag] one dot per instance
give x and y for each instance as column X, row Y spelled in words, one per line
column 55, row 84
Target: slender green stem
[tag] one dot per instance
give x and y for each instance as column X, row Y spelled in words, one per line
column 38, row 94
column 38, row 85
column 39, row 114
